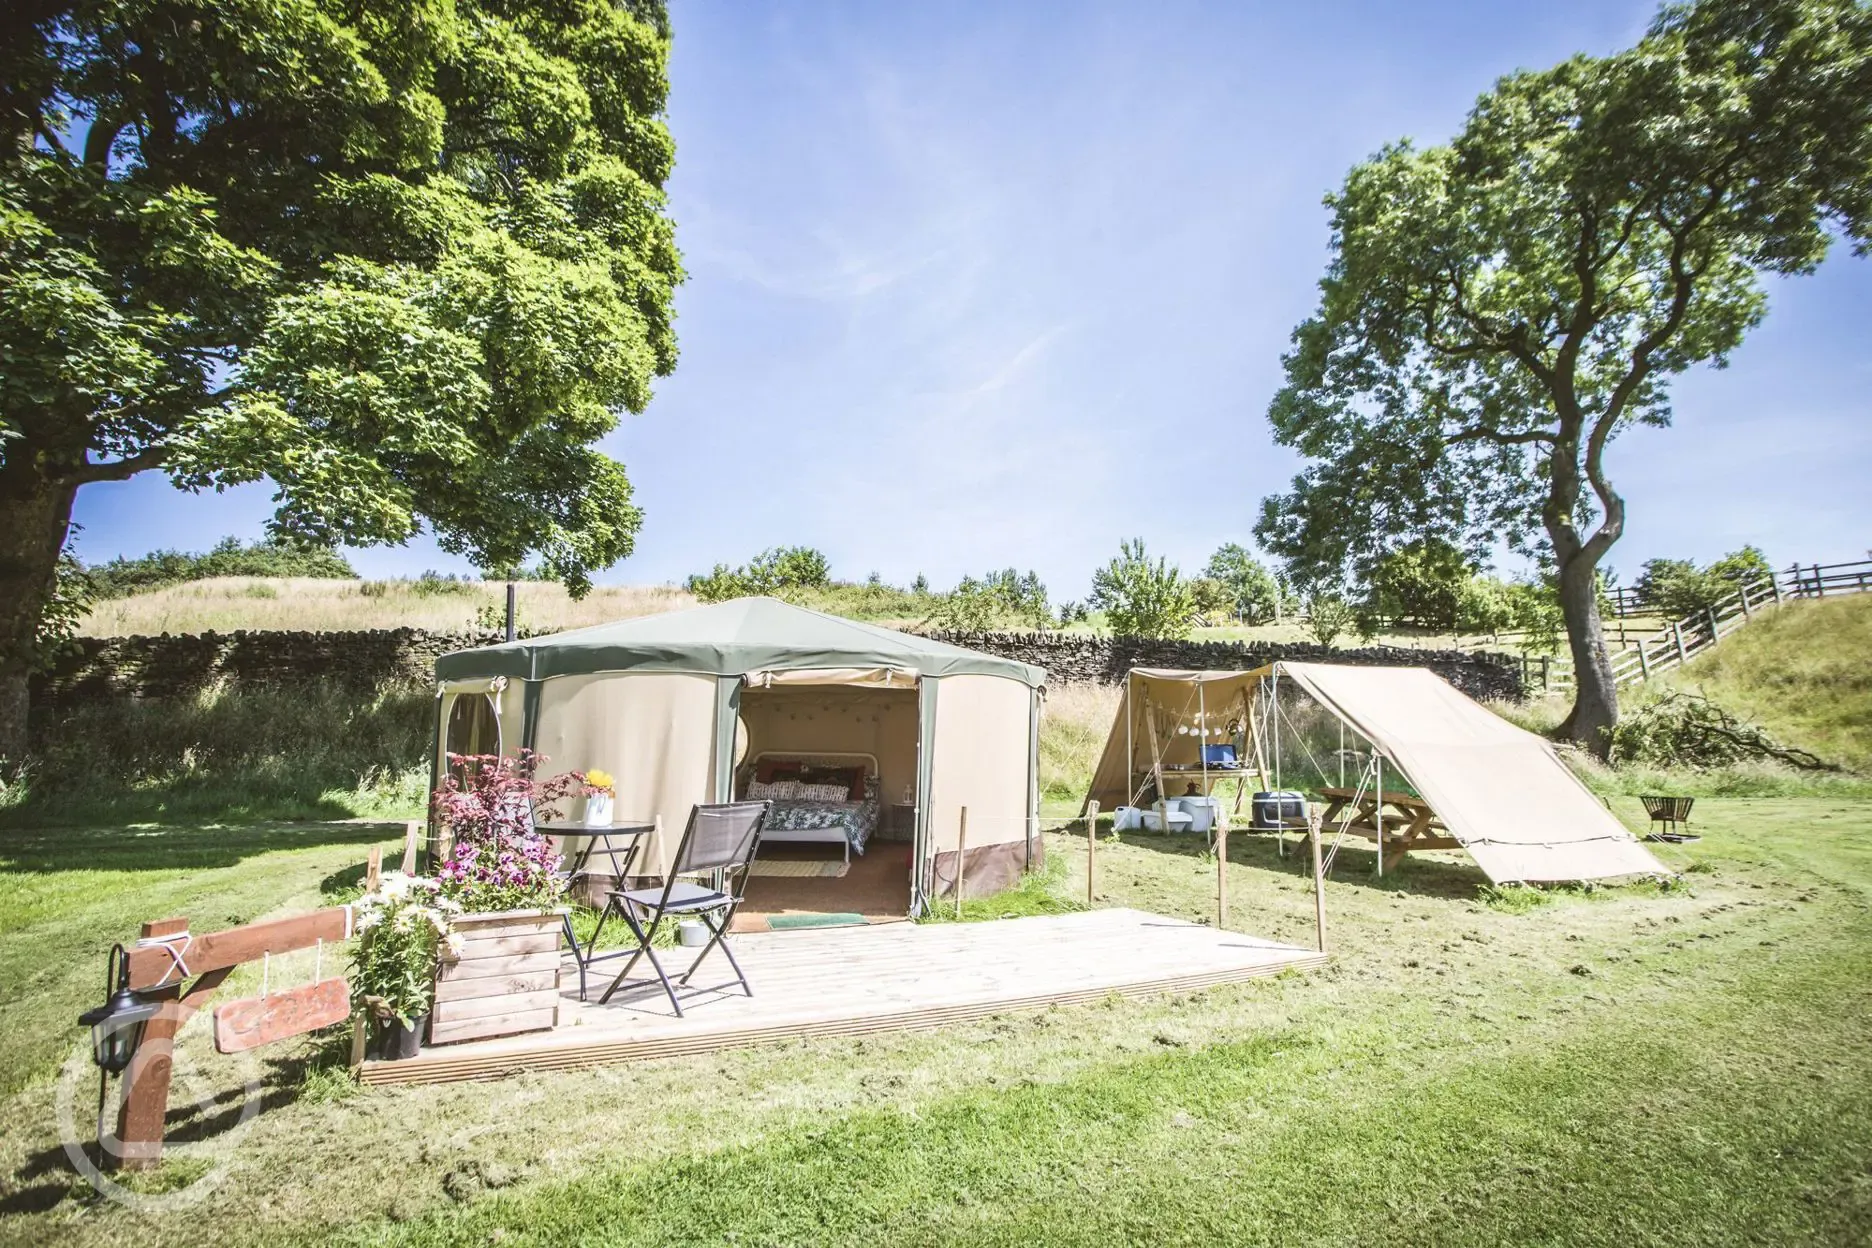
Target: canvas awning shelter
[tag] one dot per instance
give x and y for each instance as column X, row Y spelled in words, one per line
column 1503, row 792
column 671, row 705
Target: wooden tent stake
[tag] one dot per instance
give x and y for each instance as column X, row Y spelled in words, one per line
column 961, row 858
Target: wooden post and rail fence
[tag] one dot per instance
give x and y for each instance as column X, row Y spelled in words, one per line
column 1679, row 641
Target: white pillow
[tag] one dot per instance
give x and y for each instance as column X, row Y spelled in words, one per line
column 773, row 790
column 824, row 793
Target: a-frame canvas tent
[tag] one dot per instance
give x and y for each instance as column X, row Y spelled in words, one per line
column 1503, row 793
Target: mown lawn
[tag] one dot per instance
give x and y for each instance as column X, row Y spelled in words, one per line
column 1629, row 1066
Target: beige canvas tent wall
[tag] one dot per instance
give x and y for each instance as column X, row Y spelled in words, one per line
column 1179, row 711
column 1503, row 793
column 674, row 705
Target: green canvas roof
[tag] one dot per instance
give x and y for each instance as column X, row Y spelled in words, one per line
column 727, row 639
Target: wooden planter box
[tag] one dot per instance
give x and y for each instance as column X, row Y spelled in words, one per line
column 505, row 981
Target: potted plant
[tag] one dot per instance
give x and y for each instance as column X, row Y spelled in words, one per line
column 500, row 976
column 599, row 791
column 403, row 927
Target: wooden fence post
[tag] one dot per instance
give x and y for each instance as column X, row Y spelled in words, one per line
column 1774, row 583
column 412, row 840
column 1714, row 634
column 373, row 869
column 1745, row 601
column 140, row 1119
column 961, row 859
column 1677, row 632
column 1091, row 848
column 1819, row 583
column 1319, row 879
column 1644, row 663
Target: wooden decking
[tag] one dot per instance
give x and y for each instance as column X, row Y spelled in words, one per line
column 887, row 977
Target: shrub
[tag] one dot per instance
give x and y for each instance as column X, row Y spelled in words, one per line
column 1004, row 599
column 780, row 571
column 1141, row 598
column 159, row 569
column 1329, row 617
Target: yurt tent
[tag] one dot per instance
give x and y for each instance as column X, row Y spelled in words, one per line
column 1503, row 793
column 678, row 707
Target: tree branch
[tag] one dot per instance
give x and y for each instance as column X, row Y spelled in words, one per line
column 117, row 469
column 1482, row 433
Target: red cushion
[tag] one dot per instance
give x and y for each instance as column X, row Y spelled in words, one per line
column 772, row 769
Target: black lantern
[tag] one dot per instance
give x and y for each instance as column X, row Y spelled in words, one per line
column 117, row 1025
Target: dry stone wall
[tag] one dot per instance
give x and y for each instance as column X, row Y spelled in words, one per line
column 1076, row 658
column 178, row 665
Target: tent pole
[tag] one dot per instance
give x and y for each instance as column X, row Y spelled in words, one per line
column 1319, row 877
column 1091, row 847
column 1274, row 718
column 1202, row 744
column 1378, row 818
column 1130, row 751
column 1341, row 752
column 1150, row 722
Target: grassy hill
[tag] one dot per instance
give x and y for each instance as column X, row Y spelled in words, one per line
column 225, row 603
column 1802, row 673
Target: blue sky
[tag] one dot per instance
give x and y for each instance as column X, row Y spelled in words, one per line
column 974, row 285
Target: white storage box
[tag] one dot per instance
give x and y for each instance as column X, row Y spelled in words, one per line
column 1173, row 812
column 1204, row 812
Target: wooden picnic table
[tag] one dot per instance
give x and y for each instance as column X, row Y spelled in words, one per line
column 1409, row 823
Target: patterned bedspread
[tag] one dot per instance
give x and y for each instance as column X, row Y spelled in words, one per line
column 858, row 819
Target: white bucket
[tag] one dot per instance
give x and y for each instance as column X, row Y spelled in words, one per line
column 1127, row 819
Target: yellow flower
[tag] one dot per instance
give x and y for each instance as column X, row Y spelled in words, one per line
column 598, row 778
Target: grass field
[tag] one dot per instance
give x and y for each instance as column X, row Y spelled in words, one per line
column 1614, row 1066
column 224, row 604
column 1639, row 1065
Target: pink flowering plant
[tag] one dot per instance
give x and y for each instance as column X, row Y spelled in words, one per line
column 491, row 804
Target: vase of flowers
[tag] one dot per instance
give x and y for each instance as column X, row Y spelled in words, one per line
column 404, row 930
column 501, row 976
column 599, row 790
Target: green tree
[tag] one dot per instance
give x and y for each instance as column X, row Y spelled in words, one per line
column 1254, row 593
column 1141, row 598
column 1677, row 587
column 406, row 261
column 1328, row 617
column 1499, row 308
column 1424, row 583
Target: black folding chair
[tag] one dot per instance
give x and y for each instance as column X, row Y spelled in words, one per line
column 720, row 840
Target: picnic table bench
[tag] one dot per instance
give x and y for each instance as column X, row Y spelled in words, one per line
column 1409, row 823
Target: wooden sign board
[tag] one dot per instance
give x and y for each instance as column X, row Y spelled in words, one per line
column 253, row 1021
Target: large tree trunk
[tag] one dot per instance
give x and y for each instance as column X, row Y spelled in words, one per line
column 1595, row 695
column 34, row 517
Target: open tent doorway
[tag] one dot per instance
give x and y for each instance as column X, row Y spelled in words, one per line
column 830, row 857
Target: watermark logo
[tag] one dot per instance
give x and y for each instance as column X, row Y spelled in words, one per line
column 219, row 1111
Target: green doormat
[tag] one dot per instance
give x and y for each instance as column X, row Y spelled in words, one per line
column 781, row 922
